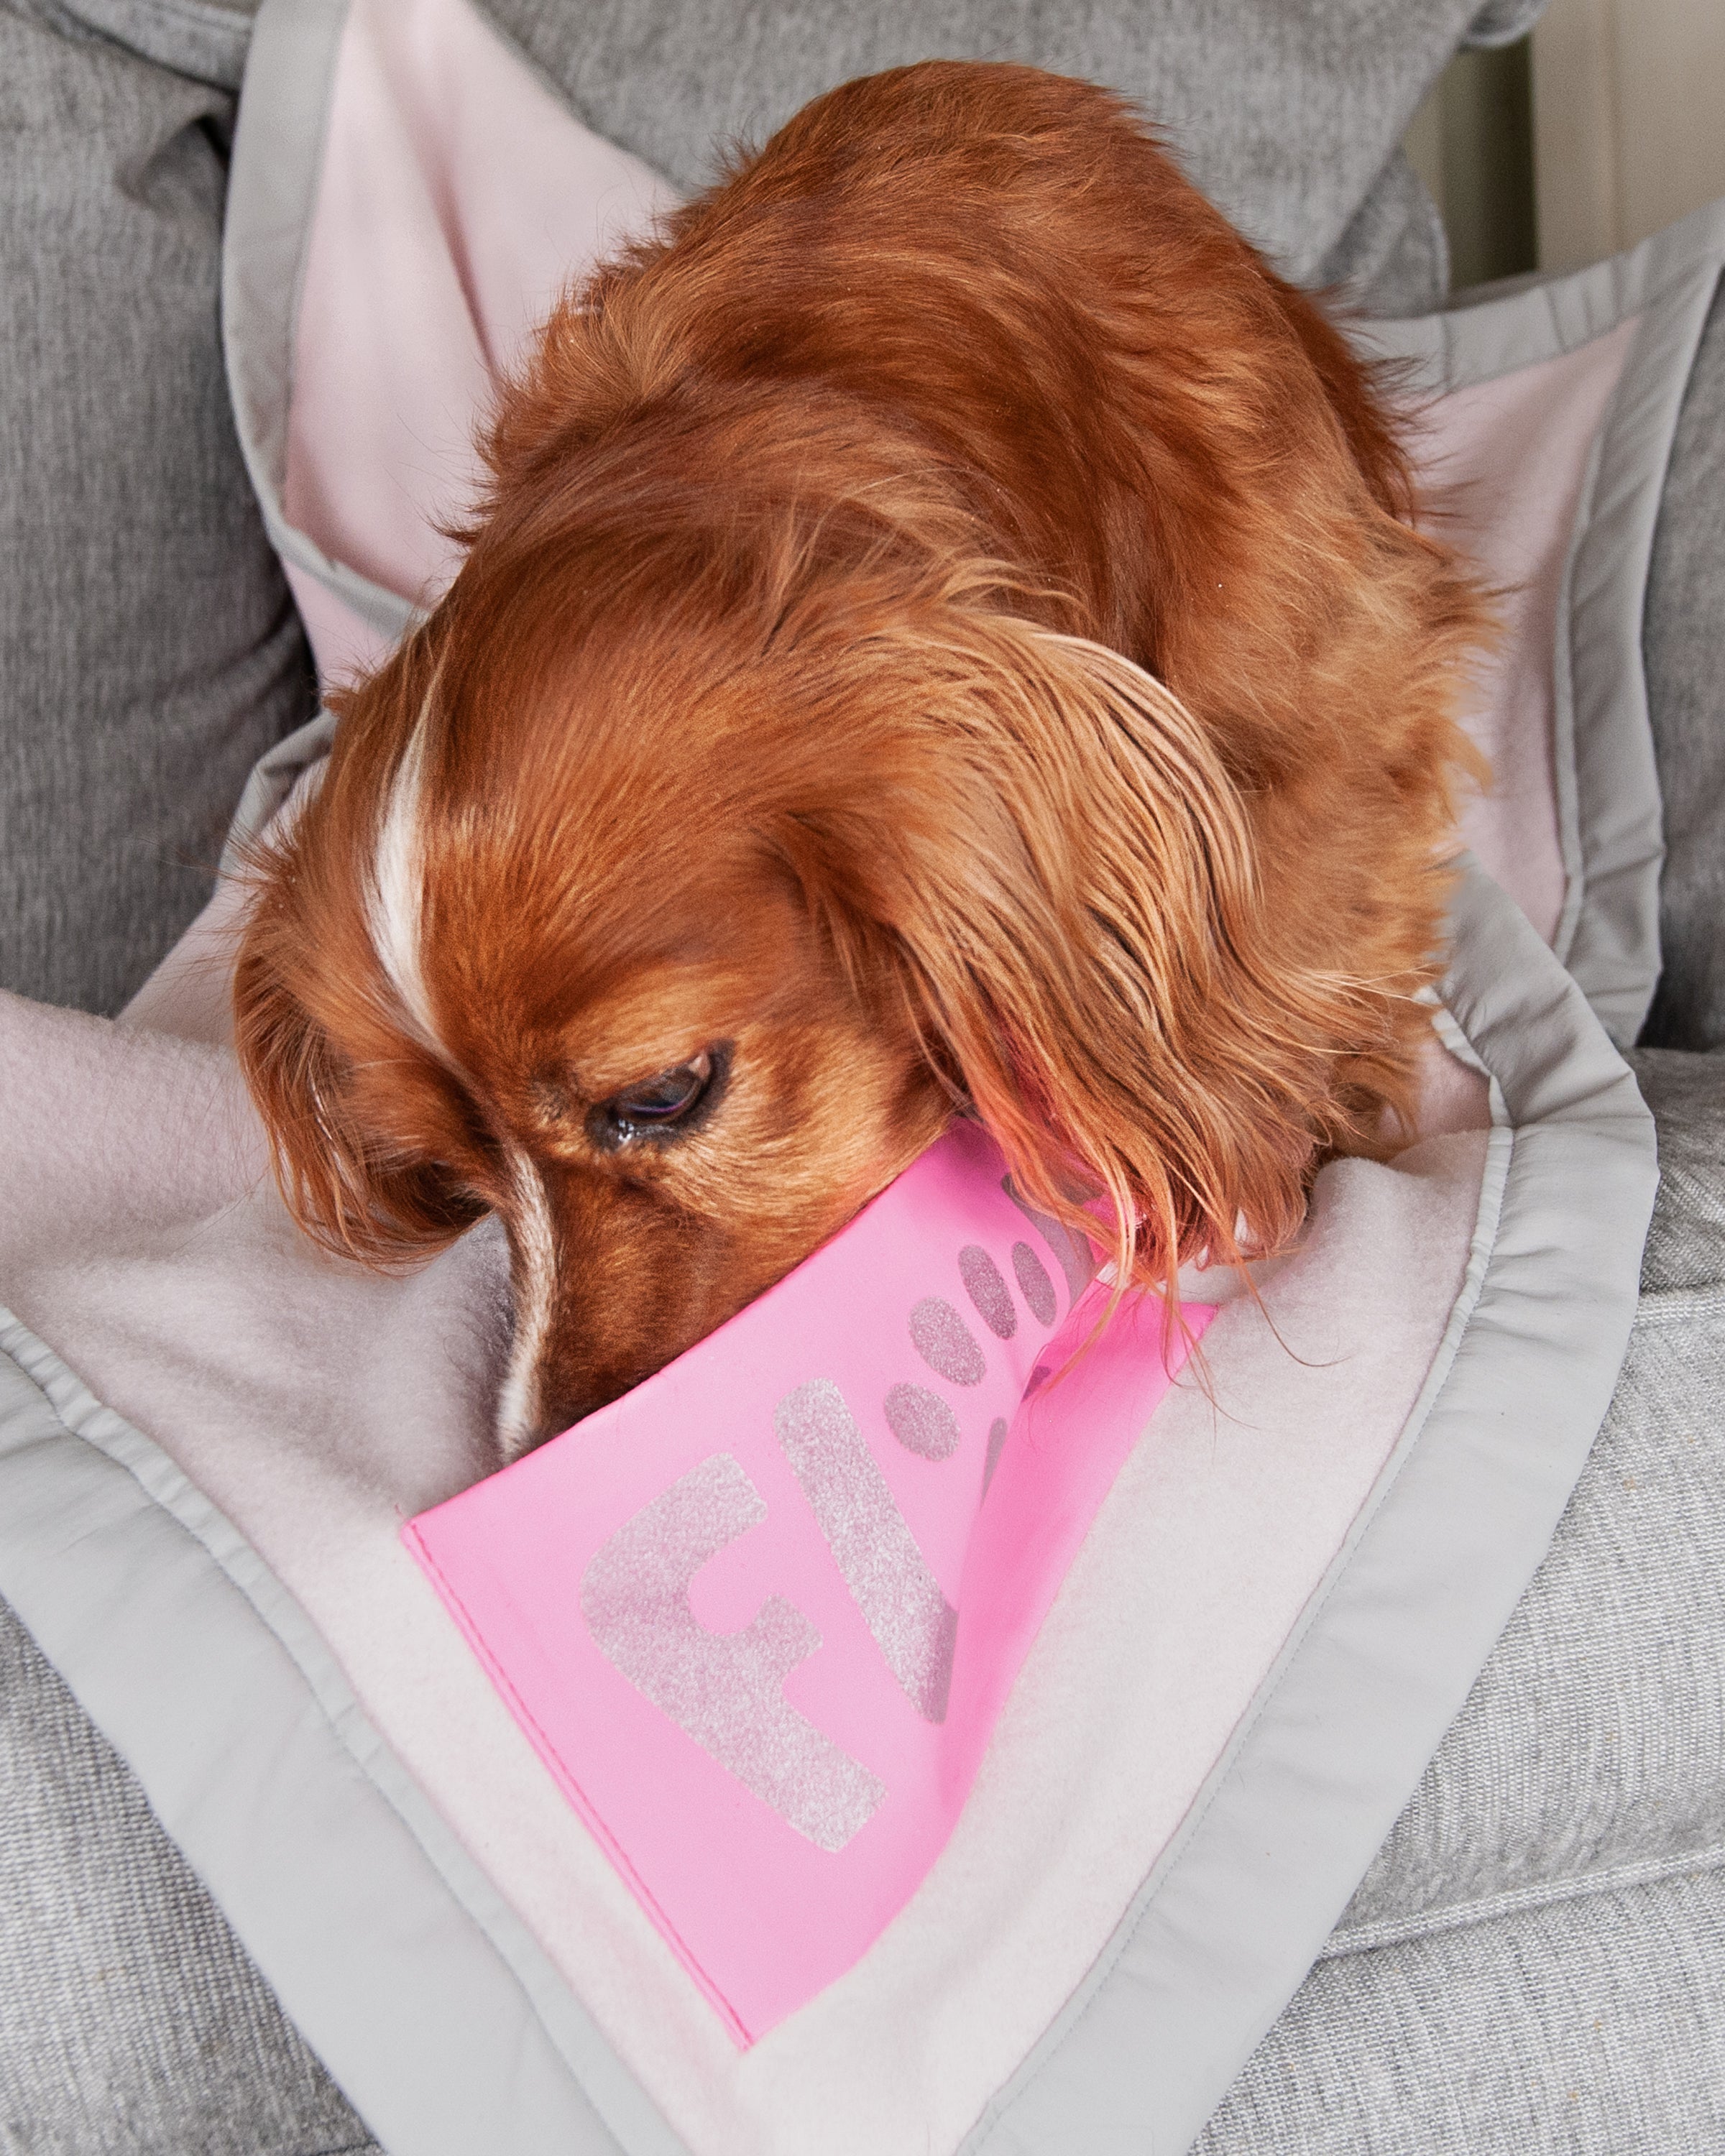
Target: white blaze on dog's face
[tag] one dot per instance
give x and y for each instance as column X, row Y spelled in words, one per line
column 667, row 1114
column 643, row 1130
column 395, row 907
column 670, row 1146
column 533, row 1252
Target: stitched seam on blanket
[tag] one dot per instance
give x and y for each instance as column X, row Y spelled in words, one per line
column 1456, row 1916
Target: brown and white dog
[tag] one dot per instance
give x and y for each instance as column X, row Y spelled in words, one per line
column 945, row 632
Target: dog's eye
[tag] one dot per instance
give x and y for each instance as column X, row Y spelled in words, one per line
column 663, row 1099
column 664, row 1106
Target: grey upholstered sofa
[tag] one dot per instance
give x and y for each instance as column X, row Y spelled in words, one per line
column 1537, row 1958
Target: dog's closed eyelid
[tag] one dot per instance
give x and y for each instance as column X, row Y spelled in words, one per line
column 671, row 1094
column 668, row 1106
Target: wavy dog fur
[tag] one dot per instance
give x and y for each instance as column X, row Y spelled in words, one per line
column 947, row 632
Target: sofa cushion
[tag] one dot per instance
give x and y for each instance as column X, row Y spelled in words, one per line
column 1284, row 118
column 134, row 2022
column 1685, row 694
column 1590, row 2026
column 152, row 652
column 1536, row 1957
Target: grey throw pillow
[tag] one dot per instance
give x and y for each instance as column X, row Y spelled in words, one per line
column 148, row 652
column 1286, row 112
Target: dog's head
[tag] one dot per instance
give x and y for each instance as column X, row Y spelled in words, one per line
column 701, row 857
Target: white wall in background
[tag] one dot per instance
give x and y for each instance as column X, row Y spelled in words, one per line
column 1629, row 121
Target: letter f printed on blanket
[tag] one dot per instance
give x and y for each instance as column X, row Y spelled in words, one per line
column 726, row 1690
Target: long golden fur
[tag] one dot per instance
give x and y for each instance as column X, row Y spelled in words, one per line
column 946, row 631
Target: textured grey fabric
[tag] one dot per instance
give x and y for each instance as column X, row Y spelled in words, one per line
column 203, row 39
column 1686, row 1243
column 1548, row 1914
column 1682, row 630
column 132, row 2022
column 149, row 653
column 206, row 38
column 1588, row 2028
column 1284, row 112
column 1393, row 258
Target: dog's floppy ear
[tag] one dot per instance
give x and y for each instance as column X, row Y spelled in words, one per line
column 1077, row 916
column 336, row 1177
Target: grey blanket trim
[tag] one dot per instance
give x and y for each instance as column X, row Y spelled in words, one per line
column 1219, row 1936
column 272, row 778
column 434, row 2008
column 278, row 152
column 1609, row 811
column 1455, row 1915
